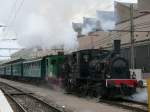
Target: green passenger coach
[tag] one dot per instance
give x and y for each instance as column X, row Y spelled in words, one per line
column 2, row 70
column 47, row 68
column 17, row 69
column 8, row 70
column 34, row 68
column 53, row 66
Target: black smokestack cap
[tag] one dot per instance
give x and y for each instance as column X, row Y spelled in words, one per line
column 116, row 46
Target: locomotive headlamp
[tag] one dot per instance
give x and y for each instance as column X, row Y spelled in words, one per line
column 133, row 75
column 140, row 84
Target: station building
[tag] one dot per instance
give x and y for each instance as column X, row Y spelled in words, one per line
column 104, row 39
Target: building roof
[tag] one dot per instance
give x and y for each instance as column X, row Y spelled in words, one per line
column 35, row 53
column 92, row 23
column 12, row 61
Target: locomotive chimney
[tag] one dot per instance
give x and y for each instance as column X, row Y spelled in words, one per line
column 116, row 46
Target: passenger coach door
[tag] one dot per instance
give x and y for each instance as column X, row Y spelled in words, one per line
column 46, row 68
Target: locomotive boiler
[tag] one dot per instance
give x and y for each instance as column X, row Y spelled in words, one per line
column 98, row 72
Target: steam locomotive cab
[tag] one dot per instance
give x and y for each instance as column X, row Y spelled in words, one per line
column 82, row 75
column 84, row 64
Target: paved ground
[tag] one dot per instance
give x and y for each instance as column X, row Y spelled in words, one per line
column 68, row 101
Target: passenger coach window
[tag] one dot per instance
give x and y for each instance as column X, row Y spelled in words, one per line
column 85, row 58
column 47, row 62
column 59, row 60
column 74, row 58
column 53, row 62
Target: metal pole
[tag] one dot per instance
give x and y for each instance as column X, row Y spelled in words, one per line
column 148, row 93
column 92, row 43
column 132, row 38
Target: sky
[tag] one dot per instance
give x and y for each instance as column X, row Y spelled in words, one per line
column 36, row 23
column 128, row 1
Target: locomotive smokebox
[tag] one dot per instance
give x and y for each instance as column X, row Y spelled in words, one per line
column 116, row 46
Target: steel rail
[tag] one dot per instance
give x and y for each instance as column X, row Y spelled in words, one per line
column 21, row 108
column 113, row 103
column 124, row 106
column 135, row 102
column 31, row 96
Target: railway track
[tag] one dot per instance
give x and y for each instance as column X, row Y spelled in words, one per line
column 127, row 104
column 25, row 101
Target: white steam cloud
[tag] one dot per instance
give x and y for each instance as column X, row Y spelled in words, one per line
column 48, row 23
column 107, row 20
column 140, row 96
column 104, row 20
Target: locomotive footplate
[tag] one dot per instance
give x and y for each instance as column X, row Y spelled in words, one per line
column 120, row 82
column 121, row 87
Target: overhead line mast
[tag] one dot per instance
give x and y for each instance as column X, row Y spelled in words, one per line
column 132, row 37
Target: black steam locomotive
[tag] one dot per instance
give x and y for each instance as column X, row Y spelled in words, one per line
column 98, row 72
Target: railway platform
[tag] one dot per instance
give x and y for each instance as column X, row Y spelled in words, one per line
column 63, row 101
column 4, row 104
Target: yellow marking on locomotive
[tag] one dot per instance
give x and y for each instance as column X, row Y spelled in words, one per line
column 148, row 92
